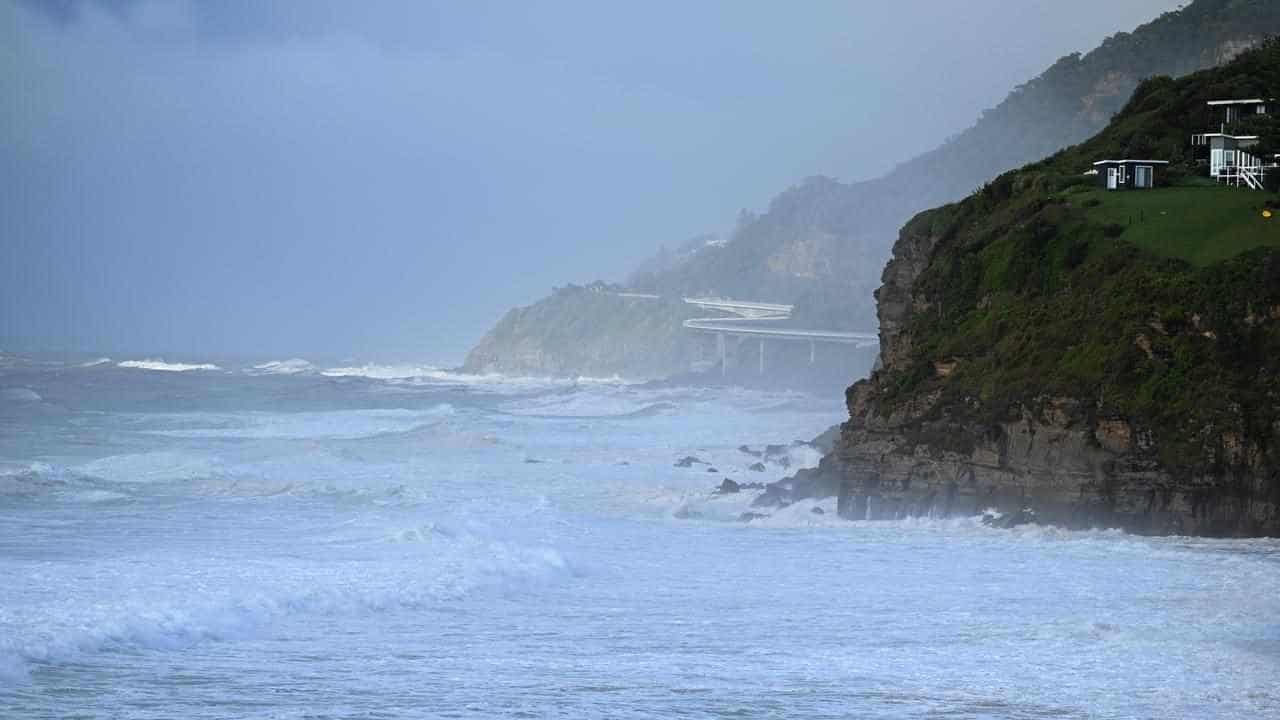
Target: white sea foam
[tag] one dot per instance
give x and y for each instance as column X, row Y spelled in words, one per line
column 386, row 372
column 96, row 363
column 292, row 366
column 338, row 424
column 437, row 566
column 165, row 616
column 154, row 467
column 418, row 374
column 159, row 364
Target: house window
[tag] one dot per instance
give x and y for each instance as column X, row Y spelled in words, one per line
column 1262, row 109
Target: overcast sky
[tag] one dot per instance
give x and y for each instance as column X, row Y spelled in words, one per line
column 376, row 179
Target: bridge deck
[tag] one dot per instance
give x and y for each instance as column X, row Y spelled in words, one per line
column 756, row 328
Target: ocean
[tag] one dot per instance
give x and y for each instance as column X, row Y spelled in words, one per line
column 280, row 539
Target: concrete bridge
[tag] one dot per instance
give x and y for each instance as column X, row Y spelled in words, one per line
column 764, row 321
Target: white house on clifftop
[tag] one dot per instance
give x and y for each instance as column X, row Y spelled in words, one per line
column 1229, row 158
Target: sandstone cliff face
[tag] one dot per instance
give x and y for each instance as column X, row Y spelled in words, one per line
column 1057, row 459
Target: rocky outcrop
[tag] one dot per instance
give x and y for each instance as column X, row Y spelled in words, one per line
column 596, row 330
column 1039, row 363
column 1058, row 463
column 1059, row 459
column 895, row 302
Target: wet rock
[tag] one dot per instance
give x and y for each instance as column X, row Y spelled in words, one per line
column 749, row 516
column 712, row 470
column 690, row 461
column 818, row 511
column 773, row 496
column 1025, row 516
column 685, row 513
column 728, row 487
column 749, row 451
column 774, row 450
column 756, row 467
column 533, row 461
column 782, row 461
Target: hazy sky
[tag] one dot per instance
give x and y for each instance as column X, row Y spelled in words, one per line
column 385, row 178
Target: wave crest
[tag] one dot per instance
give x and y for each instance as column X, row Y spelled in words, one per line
column 161, row 365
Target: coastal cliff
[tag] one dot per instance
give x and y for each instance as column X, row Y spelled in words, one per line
column 1060, row 354
column 596, row 330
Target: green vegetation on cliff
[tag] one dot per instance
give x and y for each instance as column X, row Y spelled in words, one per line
column 1159, row 307
column 594, row 330
column 1201, row 225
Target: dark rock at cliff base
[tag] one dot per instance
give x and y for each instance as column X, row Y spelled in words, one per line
column 749, row 516
column 756, row 467
column 774, row 450
column 712, row 470
column 774, row 495
column 1023, row 516
column 728, row 487
column 749, row 451
column 818, row 511
column 808, row 483
column 689, row 461
column 783, row 462
column 533, row 461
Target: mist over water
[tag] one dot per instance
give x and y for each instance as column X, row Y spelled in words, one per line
column 281, row 539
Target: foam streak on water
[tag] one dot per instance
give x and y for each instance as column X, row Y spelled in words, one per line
column 273, row 541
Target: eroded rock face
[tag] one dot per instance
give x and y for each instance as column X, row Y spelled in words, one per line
column 1067, row 472
column 894, row 299
column 1058, row 463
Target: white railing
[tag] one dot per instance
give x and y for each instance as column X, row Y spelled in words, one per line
column 1237, row 167
column 1252, row 175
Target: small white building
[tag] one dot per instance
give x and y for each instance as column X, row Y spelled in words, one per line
column 1229, row 158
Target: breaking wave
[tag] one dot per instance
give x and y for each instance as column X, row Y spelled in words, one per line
column 292, row 366
column 161, row 365
column 386, row 372
column 450, row 567
column 333, row 424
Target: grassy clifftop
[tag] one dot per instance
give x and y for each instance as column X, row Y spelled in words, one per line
column 1160, row 307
